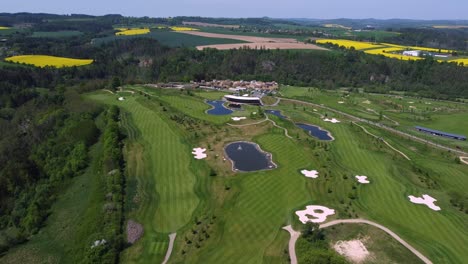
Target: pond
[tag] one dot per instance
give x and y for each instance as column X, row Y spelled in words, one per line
column 316, row 131
column 247, row 156
column 276, row 113
column 218, row 108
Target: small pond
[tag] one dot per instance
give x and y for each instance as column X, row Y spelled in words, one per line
column 218, row 108
column 247, row 156
column 276, row 113
column 316, row 131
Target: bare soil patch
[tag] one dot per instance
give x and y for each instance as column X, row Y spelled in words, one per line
column 263, row 45
column 134, row 231
column 201, row 24
column 241, row 37
column 354, row 250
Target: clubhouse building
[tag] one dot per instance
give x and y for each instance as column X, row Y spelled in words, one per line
column 243, row 100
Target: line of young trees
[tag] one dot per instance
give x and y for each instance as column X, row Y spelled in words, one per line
column 110, row 236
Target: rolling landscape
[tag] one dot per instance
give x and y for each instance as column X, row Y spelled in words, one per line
column 196, row 139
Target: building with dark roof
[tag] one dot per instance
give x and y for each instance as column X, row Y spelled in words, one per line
column 440, row 133
column 243, row 99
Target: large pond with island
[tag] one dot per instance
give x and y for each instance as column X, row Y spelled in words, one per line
column 218, row 108
column 248, row 156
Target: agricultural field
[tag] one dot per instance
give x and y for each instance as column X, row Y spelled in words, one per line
column 350, row 43
column 45, row 60
column 56, row 34
column 172, row 39
column 237, row 217
column 254, row 42
column 386, row 49
column 132, row 31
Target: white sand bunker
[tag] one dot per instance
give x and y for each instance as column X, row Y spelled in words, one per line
column 238, row 118
column 315, row 110
column 199, row 153
column 366, row 102
column 319, row 213
column 362, row 179
column 310, row 174
column 333, row 120
column 353, row 250
column 425, row 199
column 121, row 98
column 340, row 102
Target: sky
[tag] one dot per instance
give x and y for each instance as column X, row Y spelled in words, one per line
column 410, row 9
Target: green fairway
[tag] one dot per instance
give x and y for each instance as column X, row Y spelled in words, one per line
column 159, row 163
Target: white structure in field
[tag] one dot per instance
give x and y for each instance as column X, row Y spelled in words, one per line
column 236, row 118
column 425, row 199
column 333, row 120
column 362, row 179
column 310, row 174
column 199, row 153
column 318, row 212
column 413, row 53
column 121, row 98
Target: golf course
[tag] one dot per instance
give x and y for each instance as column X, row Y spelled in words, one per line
column 223, row 216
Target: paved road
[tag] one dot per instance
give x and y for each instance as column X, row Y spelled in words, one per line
column 292, row 243
column 169, row 249
column 383, row 228
column 355, row 118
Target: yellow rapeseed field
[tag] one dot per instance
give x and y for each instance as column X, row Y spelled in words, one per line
column 387, row 52
column 4, row 27
column 458, row 61
column 132, row 31
column 350, row 43
column 183, row 28
column 44, row 60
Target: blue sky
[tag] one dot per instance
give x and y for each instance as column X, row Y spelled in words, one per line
column 414, row 9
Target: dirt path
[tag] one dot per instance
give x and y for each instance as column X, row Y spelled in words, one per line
column 109, row 91
column 263, row 45
column 256, row 123
column 388, row 144
column 383, row 228
column 292, row 243
column 392, row 130
column 464, row 160
column 169, row 249
column 285, row 130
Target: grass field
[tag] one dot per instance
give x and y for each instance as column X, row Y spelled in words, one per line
column 172, row 39
column 56, row 34
column 45, row 60
column 406, row 111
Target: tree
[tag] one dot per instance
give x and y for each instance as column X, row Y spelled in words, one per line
column 115, row 83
